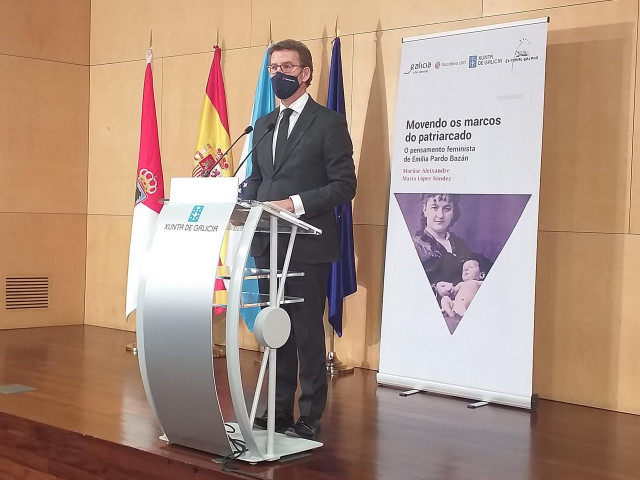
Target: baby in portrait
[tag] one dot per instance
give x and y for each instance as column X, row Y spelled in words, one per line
column 455, row 299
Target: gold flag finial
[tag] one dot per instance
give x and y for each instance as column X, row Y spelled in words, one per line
column 270, row 33
column 337, row 29
column 150, row 49
column 217, row 37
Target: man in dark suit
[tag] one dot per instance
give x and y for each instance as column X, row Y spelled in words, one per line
column 307, row 168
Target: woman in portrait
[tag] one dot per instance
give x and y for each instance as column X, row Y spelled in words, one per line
column 441, row 252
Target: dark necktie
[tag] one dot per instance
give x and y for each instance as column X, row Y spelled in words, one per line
column 283, row 133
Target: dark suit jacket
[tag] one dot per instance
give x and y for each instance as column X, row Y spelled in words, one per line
column 318, row 166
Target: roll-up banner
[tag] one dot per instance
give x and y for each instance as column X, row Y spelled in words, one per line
column 459, row 284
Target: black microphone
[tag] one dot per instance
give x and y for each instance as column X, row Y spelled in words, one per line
column 270, row 127
column 247, row 130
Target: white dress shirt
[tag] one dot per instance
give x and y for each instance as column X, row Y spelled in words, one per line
column 297, row 108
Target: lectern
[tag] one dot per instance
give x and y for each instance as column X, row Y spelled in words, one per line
column 174, row 319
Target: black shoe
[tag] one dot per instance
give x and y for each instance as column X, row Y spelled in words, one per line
column 305, row 427
column 283, row 422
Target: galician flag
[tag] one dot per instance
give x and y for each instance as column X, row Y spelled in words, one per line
column 342, row 275
column 149, row 190
column 213, row 140
column 264, row 102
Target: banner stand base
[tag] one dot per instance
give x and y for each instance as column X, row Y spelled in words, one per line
column 408, row 393
column 534, row 402
column 477, row 405
column 415, row 385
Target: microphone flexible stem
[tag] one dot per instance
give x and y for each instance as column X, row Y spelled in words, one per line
column 270, row 127
column 247, row 130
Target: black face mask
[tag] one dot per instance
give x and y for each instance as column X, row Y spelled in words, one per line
column 284, row 85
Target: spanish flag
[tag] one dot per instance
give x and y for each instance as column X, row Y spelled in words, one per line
column 213, row 141
column 213, row 133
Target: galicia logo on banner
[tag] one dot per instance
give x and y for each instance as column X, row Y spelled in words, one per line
column 195, row 213
column 419, row 67
column 473, row 61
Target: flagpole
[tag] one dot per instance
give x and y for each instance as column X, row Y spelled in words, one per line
column 133, row 346
column 341, row 278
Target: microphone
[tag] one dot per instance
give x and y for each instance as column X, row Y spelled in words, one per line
column 270, row 127
column 247, row 130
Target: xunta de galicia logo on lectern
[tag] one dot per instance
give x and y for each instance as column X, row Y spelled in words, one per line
column 195, row 213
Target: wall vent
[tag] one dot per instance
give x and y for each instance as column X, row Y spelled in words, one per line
column 26, row 292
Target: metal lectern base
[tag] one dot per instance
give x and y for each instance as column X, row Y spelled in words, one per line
column 283, row 445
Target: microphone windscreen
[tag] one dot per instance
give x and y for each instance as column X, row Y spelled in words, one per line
column 271, row 126
column 249, row 129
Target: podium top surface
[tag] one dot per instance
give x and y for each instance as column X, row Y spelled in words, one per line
column 287, row 220
column 207, row 190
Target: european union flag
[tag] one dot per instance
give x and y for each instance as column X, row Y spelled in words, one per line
column 342, row 276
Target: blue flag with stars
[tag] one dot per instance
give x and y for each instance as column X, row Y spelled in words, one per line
column 342, row 276
column 264, row 102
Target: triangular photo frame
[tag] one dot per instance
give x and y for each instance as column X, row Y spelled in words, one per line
column 457, row 239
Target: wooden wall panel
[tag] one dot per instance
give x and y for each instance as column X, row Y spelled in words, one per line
column 627, row 385
column 500, row 7
column 114, row 133
column 44, row 144
column 44, row 98
column 46, row 29
column 634, row 217
column 247, row 339
column 376, row 59
column 133, row 22
column 44, row 245
column 288, row 20
column 185, row 28
column 362, row 314
column 108, row 239
column 587, row 127
column 179, row 28
column 586, row 330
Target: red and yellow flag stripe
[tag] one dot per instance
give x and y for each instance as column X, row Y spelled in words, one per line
column 213, row 140
column 213, row 133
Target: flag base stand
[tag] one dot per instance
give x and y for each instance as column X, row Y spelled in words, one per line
column 336, row 367
column 132, row 348
column 258, row 360
column 219, row 351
